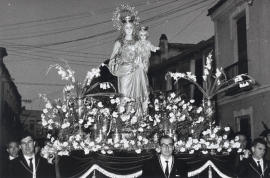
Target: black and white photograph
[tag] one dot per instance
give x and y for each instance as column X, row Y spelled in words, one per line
column 134, row 88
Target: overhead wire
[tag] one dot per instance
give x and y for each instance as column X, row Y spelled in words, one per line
column 108, row 32
column 164, row 14
column 92, row 13
column 192, row 20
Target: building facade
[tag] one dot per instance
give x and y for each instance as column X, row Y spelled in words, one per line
column 10, row 104
column 31, row 120
column 179, row 58
column 242, row 46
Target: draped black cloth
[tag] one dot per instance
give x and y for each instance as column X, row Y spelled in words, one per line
column 123, row 163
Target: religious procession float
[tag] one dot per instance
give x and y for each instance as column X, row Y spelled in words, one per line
column 131, row 119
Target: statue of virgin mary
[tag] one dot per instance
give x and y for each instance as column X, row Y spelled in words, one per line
column 132, row 79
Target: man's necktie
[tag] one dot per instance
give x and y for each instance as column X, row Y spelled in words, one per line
column 31, row 164
column 259, row 167
column 167, row 169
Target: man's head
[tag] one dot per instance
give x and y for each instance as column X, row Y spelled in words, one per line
column 242, row 139
column 166, row 144
column 266, row 135
column 13, row 148
column 28, row 145
column 267, row 138
column 258, row 148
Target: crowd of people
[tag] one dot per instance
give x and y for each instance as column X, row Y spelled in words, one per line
column 24, row 161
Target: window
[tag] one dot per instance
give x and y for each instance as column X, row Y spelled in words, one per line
column 244, row 122
column 31, row 125
column 242, row 44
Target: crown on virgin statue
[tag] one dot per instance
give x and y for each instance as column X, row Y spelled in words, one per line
column 125, row 14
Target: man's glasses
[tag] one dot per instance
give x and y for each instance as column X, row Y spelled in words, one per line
column 163, row 145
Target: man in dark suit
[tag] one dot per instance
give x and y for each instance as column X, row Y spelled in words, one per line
column 255, row 166
column 165, row 165
column 266, row 135
column 13, row 149
column 29, row 165
column 242, row 139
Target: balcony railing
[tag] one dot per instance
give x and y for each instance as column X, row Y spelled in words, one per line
column 240, row 67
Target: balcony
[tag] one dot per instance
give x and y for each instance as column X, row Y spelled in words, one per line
column 240, row 67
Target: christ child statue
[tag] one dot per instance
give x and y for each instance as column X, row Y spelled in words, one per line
column 144, row 48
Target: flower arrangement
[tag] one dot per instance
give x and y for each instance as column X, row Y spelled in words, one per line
column 92, row 122
column 215, row 81
column 176, row 113
column 213, row 139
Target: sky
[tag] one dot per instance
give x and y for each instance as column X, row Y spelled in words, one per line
column 38, row 33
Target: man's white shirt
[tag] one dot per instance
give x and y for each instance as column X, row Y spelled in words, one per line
column 164, row 164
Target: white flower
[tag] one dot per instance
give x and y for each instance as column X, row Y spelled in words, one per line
column 171, row 115
column 236, row 138
column 110, row 152
column 199, row 109
column 125, row 117
column 237, row 145
column 191, row 151
column 218, row 72
column 132, row 142
column 201, row 119
column 116, row 145
column 110, row 141
column 86, row 151
column 204, row 151
column 80, row 121
column 138, row 151
column 169, row 107
column 100, row 104
column 238, row 78
column 45, row 111
column 44, row 122
column 113, row 101
column 132, row 111
column 117, row 100
column 66, row 124
column 183, row 149
column 145, row 141
column 204, row 77
column 172, row 95
column 121, row 109
column 64, row 108
column 226, row 144
column 133, row 120
column 50, row 121
column 183, row 117
column 239, row 150
column 206, row 72
column 103, row 151
column 48, row 105
column 139, row 137
column 227, row 128
column 115, row 114
column 224, row 137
